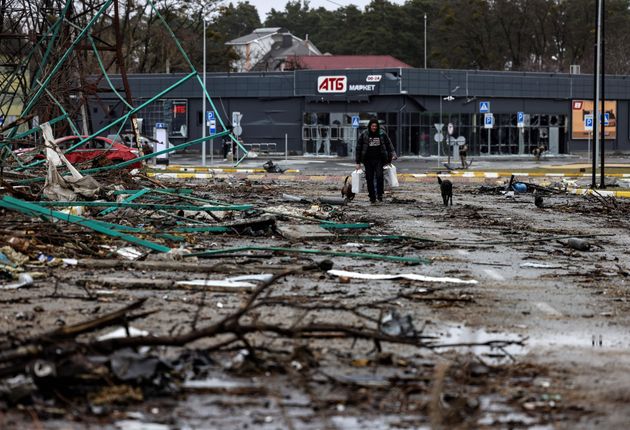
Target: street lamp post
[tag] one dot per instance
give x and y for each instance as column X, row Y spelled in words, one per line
column 425, row 40
column 204, row 120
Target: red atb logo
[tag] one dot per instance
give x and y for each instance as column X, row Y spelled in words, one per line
column 332, row 84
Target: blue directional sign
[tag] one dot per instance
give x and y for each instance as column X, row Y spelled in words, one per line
column 484, row 107
column 209, row 115
column 355, row 121
column 160, row 125
column 606, row 118
column 520, row 119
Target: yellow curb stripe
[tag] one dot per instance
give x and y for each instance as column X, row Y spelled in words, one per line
column 584, row 191
column 211, row 170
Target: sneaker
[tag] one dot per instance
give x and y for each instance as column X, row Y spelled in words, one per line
column 380, row 198
column 372, row 201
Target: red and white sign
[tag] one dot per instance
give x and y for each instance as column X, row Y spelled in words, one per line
column 577, row 104
column 332, row 84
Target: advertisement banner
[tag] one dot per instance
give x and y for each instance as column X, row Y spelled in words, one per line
column 581, row 109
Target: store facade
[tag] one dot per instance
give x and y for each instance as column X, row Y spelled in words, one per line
column 425, row 112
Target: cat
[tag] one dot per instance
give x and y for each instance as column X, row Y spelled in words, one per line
column 446, row 188
column 538, row 151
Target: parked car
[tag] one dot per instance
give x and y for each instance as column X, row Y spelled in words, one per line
column 99, row 150
column 127, row 139
column 96, row 149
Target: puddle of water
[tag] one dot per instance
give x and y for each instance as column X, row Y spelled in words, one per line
column 495, row 354
column 600, row 339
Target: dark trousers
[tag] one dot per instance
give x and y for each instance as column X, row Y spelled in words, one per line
column 374, row 177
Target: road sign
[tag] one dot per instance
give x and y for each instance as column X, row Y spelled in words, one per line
column 520, row 119
column 488, row 120
column 459, row 141
column 588, row 122
column 438, row 137
column 439, row 127
column 606, row 118
column 209, row 115
column 355, row 121
column 236, row 118
column 213, row 126
column 484, row 107
column 238, row 130
column 160, row 125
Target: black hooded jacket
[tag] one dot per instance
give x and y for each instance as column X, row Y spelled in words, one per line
column 386, row 150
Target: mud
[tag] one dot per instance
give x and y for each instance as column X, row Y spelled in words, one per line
column 554, row 319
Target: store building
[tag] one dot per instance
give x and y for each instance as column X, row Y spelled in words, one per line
column 425, row 112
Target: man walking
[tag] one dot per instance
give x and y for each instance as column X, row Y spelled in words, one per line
column 374, row 150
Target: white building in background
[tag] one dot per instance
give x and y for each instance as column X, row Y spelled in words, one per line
column 267, row 49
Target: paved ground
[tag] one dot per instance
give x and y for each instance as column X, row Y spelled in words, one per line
column 337, row 165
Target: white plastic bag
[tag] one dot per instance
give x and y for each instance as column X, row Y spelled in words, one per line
column 358, row 181
column 389, row 174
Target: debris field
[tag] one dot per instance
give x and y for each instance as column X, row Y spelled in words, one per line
column 238, row 302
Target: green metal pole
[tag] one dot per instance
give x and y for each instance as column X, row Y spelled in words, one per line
column 119, row 120
column 84, row 222
column 35, row 98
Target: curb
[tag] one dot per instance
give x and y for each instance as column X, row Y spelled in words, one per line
column 604, row 193
column 507, row 174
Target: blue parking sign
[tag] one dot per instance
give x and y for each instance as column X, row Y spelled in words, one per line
column 209, row 115
column 488, row 120
column 588, row 123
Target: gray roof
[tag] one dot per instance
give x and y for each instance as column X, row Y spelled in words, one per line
column 257, row 34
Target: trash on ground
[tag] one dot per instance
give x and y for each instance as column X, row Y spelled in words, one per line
column 409, row 276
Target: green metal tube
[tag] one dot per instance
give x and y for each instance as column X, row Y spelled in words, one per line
column 36, row 129
column 84, row 222
column 35, row 98
column 143, row 206
column 121, row 119
column 109, row 81
column 127, row 200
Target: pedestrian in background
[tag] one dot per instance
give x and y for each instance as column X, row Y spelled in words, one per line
column 374, row 151
column 227, row 143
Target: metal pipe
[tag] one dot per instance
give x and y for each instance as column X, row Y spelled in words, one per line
column 596, row 113
column 425, row 40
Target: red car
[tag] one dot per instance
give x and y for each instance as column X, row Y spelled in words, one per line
column 97, row 148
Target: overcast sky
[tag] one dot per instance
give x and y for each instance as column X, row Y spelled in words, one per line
column 264, row 6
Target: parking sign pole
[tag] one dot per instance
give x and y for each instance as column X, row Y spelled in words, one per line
column 204, row 124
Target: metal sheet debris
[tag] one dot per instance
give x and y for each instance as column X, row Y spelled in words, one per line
column 409, row 276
